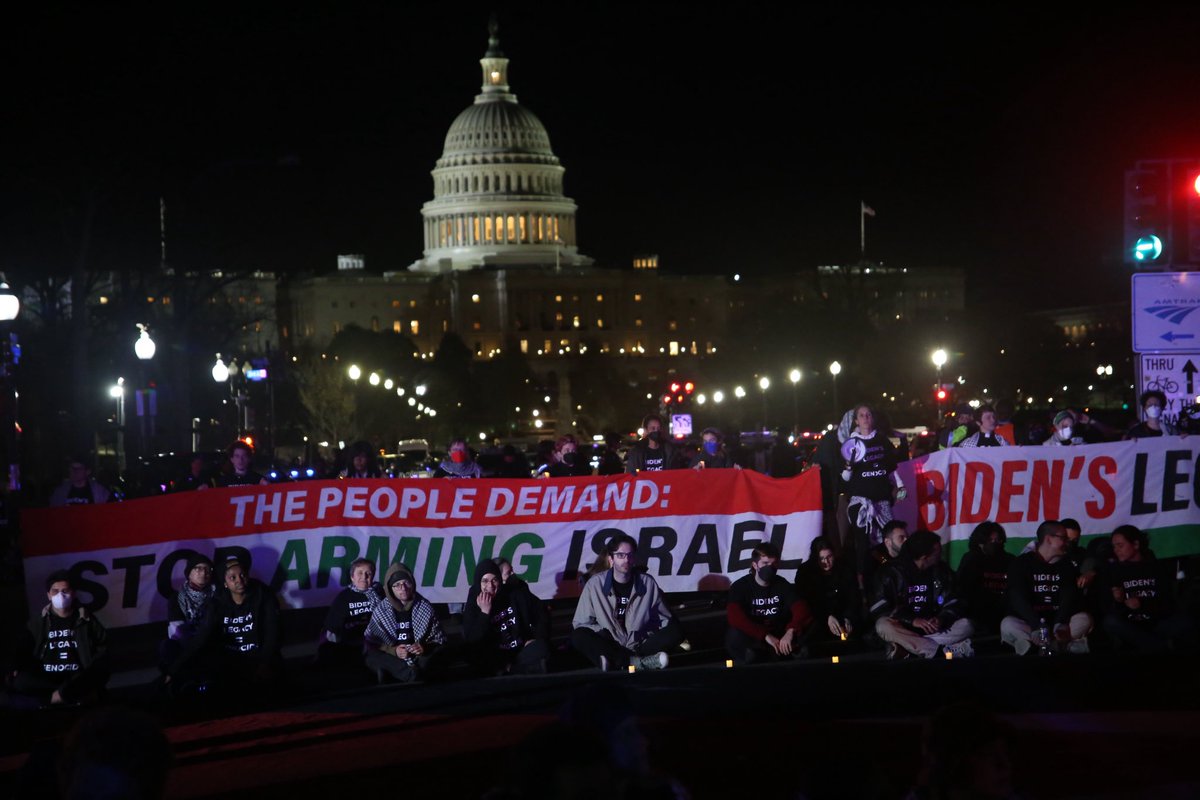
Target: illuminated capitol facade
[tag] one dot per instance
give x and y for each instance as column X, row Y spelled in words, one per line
column 502, row 267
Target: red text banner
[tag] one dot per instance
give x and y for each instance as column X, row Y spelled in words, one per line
column 1151, row 483
column 695, row 531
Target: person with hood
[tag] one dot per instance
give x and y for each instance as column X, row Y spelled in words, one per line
column 830, row 590
column 404, row 632
column 349, row 613
column 653, row 453
column 871, row 483
column 459, row 463
column 68, row 660
column 983, row 576
column 712, row 454
column 237, row 642
column 361, row 462
column 504, row 625
column 915, row 605
column 622, row 615
column 567, row 461
column 189, row 606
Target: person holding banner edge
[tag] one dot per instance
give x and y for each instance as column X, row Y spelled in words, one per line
column 622, row 616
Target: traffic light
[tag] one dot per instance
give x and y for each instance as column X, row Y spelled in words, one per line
column 1192, row 192
column 941, row 395
column 1146, row 216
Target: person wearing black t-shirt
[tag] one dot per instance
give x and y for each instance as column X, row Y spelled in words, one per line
column 348, row 615
column 766, row 619
column 895, row 534
column 1043, row 589
column 568, row 462
column 68, row 660
column 504, row 624
column 983, row 576
column 987, row 436
column 1152, row 403
column 80, row 488
column 1144, row 614
column 654, row 452
column 871, row 483
column 916, row 607
column 237, row 644
column 238, row 472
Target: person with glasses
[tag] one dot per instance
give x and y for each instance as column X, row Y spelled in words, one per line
column 1044, row 598
column 622, row 617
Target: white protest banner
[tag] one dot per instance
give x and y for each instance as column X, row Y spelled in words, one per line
column 695, row 531
column 1151, row 483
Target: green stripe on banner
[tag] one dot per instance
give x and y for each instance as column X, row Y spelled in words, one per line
column 1176, row 540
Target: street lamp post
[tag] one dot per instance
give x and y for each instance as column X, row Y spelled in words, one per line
column 144, row 348
column 117, row 392
column 794, row 377
column 764, row 383
column 835, row 369
column 939, row 359
column 10, row 355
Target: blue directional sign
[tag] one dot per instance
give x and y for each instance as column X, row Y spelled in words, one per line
column 1166, row 312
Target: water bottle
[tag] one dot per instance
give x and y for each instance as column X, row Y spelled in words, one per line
column 1043, row 638
column 939, row 596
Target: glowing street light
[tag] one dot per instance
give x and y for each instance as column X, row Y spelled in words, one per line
column 794, row 377
column 718, row 396
column 739, row 392
column 354, row 372
column 144, row 347
column 420, row 390
column 220, row 371
column 374, row 379
column 939, row 359
column 835, row 369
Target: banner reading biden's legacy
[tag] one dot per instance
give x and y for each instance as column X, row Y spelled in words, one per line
column 1151, row 483
column 695, row 531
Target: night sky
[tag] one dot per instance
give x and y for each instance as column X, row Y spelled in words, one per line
column 741, row 140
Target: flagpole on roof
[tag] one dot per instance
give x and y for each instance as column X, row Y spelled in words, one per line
column 864, row 211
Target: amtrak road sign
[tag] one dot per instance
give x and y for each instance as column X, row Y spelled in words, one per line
column 1166, row 312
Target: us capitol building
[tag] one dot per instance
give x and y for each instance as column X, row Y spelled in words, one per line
column 502, row 268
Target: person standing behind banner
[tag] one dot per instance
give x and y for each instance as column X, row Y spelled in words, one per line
column 871, row 484
column 568, row 462
column 712, row 454
column 238, row 472
column 80, row 488
column 653, row 453
column 987, row 436
column 459, row 463
column 360, row 462
column 1152, row 404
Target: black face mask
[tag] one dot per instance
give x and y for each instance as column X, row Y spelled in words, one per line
column 655, row 436
column 767, row 573
column 570, row 459
column 992, row 548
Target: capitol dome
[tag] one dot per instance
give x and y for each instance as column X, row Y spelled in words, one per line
column 497, row 189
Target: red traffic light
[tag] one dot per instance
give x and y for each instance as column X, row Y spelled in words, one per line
column 666, row 399
column 674, row 388
column 941, row 394
column 688, row 387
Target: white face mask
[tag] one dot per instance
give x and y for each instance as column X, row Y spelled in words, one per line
column 1153, row 412
column 1065, row 433
column 61, row 601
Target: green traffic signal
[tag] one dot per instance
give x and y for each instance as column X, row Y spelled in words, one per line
column 1147, row 248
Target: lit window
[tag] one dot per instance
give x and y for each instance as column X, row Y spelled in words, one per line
column 414, row 328
column 558, row 298
column 524, row 345
column 599, row 298
column 672, row 325
column 674, row 348
column 397, row 327
column 476, row 325
column 575, row 321
column 149, row 299
column 512, row 228
column 166, row 301
column 103, row 300
column 637, row 323
column 548, row 345
column 412, row 303
column 637, row 298
column 599, row 323
column 395, row 304
column 558, row 316
column 496, row 77
column 474, row 298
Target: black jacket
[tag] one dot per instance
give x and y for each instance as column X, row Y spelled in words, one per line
column 835, row 594
column 905, row 593
column 212, row 628
column 531, row 619
column 91, row 642
column 983, row 585
column 635, row 459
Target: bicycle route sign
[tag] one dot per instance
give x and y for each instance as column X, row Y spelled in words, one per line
column 1176, row 375
column 1166, row 312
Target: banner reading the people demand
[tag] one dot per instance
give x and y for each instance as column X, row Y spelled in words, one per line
column 695, row 531
column 1151, row 483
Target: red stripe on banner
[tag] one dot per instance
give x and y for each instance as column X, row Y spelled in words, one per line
column 425, row 503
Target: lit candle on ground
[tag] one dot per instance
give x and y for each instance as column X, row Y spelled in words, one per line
column 728, row 663
column 949, row 656
column 632, row 669
column 835, row 659
column 843, row 636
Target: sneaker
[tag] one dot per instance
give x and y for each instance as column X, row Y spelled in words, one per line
column 1078, row 647
column 895, row 652
column 654, row 661
column 961, row 649
column 604, row 663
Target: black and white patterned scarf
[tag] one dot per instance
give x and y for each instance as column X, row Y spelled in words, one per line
column 192, row 601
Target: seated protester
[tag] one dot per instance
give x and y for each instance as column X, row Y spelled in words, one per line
column 567, row 461
column 1144, row 614
column 504, row 624
column 187, row 609
column 404, row 633
column 829, row 588
column 915, row 605
column 237, row 643
column 237, row 472
column 68, row 661
column 349, row 613
column 507, row 576
column 361, row 462
column 766, row 619
column 1152, row 404
column 987, row 436
column 712, row 454
column 983, row 576
column 622, row 616
column 1043, row 592
column 895, row 534
column 1084, row 562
